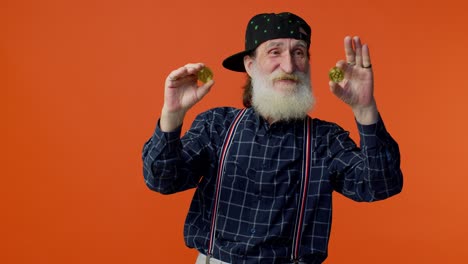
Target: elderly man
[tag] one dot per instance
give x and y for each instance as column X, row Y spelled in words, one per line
column 264, row 175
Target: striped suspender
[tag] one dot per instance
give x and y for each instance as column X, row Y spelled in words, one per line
column 221, row 165
column 304, row 185
column 303, row 194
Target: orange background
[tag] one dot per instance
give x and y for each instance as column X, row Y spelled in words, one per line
column 82, row 88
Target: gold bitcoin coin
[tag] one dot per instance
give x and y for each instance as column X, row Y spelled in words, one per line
column 205, row 74
column 336, row 74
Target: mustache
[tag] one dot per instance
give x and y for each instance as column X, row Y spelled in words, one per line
column 286, row 76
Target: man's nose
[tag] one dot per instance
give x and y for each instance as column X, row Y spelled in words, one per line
column 287, row 63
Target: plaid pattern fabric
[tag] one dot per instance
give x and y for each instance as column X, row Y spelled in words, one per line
column 260, row 189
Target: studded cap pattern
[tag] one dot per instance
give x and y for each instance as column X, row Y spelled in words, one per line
column 263, row 27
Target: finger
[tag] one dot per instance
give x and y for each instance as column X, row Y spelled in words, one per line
column 188, row 69
column 344, row 67
column 179, row 78
column 193, row 68
column 358, row 49
column 349, row 52
column 341, row 64
column 366, row 61
column 176, row 74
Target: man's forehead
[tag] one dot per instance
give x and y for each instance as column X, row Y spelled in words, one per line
column 282, row 42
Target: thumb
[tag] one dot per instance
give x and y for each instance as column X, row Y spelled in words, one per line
column 204, row 89
column 336, row 89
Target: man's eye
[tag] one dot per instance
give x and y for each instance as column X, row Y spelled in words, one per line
column 274, row 52
column 298, row 53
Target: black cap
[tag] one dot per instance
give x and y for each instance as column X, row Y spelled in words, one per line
column 263, row 27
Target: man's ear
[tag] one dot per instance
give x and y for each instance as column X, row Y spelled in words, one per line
column 248, row 62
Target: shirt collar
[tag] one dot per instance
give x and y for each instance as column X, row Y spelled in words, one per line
column 261, row 122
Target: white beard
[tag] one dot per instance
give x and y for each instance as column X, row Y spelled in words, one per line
column 289, row 104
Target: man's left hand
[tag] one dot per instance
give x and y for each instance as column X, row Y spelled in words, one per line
column 357, row 87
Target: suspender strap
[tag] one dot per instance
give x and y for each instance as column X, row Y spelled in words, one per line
column 304, row 184
column 221, row 165
column 304, row 187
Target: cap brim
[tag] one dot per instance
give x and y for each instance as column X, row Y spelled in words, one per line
column 236, row 61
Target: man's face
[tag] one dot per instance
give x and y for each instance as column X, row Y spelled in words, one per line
column 280, row 73
column 280, row 59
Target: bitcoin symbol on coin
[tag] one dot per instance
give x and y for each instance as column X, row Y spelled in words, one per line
column 205, row 75
column 336, row 74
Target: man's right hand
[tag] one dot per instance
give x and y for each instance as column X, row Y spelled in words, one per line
column 181, row 92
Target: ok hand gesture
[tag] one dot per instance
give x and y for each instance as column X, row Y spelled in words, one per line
column 357, row 87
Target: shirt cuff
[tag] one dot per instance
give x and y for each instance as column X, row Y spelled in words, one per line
column 167, row 139
column 372, row 135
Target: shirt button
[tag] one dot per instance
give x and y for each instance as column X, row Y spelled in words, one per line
column 252, row 231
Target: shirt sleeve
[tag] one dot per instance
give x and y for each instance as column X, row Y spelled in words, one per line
column 370, row 172
column 172, row 164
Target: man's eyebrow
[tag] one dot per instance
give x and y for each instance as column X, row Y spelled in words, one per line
column 301, row 43
column 278, row 44
column 274, row 43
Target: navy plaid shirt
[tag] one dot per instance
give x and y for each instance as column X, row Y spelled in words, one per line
column 260, row 187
